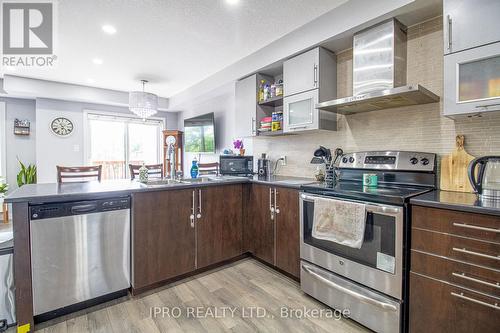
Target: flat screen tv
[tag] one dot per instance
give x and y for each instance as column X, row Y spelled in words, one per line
column 199, row 134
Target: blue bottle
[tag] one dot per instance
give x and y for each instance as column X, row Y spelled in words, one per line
column 194, row 169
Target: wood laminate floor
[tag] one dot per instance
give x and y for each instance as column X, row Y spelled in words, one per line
column 246, row 290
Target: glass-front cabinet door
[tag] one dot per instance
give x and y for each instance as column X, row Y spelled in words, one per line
column 472, row 81
column 300, row 113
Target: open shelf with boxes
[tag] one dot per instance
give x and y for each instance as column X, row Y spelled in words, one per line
column 269, row 117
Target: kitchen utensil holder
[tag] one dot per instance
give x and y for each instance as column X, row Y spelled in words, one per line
column 331, row 175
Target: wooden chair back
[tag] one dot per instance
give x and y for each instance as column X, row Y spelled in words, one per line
column 79, row 174
column 154, row 170
column 208, row 168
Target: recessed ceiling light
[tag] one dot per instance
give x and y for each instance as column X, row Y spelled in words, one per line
column 109, row 29
column 97, row 61
column 233, row 2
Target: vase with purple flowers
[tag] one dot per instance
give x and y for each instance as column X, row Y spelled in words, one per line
column 238, row 145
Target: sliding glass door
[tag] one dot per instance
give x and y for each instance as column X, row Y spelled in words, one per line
column 115, row 142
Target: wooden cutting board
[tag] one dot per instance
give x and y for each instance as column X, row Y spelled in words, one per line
column 454, row 169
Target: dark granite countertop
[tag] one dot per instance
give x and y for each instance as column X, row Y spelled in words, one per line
column 466, row 202
column 53, row 192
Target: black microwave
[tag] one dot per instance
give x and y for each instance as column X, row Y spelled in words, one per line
column 236, row 165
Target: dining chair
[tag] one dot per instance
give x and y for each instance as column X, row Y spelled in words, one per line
column 208, row 168
column 78, row 174
column 154, row 170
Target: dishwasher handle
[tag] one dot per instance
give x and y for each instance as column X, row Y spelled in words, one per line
column 81, row 209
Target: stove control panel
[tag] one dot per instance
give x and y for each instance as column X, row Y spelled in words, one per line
column 390, row 160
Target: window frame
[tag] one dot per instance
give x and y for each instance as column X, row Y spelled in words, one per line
column 130, row 118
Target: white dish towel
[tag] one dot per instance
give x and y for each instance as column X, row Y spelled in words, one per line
column 339, row 221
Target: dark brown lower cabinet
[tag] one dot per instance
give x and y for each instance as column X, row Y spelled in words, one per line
column 287, row 231
column 454, row 273
column 259, row 227
column 273, row 238
column 163, row 241
column 440, row 307
column 219, row 229
column 166, row 244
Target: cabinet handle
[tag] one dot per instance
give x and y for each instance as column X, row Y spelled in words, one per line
column 487, row 105
column 315, row 75
column 470, row 278
column 191, row 217
column 192, row 208
column 254, row 125
column 475, row 227
column 199, row 203
column 276, row 208
column 450, row 24
column 461, row 295
column 464, row 250
column 297, row 127
column 271, row 208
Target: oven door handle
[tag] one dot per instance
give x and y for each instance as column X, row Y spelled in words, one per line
column 380, row 209
column 354, row 294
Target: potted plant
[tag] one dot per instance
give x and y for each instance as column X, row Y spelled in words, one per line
column 238, row 144
column 27, row 175
column 3, row 187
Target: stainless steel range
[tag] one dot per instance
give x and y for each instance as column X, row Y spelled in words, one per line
column 370, row 281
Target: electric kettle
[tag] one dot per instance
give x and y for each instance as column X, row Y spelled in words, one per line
column 486, row 180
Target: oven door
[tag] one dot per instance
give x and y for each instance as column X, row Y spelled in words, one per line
column 377, row 264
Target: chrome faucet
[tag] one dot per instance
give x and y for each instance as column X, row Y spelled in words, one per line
column 171, row 160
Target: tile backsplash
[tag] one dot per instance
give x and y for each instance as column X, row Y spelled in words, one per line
column 418, row 128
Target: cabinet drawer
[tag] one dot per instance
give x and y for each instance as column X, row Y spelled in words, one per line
column 439, row 307
column 473, row 277
column 464, row 249
column 483, row 227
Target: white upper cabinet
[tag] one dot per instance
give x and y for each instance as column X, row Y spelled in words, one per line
column 301, row 73
column 245, row 107
column 472, row 56
column 309, row 78
column 470, row 23
column 472, row 81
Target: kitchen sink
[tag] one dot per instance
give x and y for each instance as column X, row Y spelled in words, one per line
column 197, row 180
column 163, row 182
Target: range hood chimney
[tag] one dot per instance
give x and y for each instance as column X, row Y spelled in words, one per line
column 379, row 73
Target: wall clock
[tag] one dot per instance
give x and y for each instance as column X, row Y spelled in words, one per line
column 61, row 126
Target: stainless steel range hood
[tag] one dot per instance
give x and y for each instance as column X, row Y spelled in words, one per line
column 379, row 100
column 379, row 73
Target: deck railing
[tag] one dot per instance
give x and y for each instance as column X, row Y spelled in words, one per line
column 115, row 169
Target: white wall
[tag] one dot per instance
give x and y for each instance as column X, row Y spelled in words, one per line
column 17, row 145
column 339, row 23
column 3, row 146
column 53, row 150
column 221, row 101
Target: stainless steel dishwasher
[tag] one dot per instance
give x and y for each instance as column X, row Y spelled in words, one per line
column 80, row 254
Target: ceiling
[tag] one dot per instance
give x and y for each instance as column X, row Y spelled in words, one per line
column 172, row 43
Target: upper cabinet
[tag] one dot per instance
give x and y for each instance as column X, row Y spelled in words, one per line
column 314, row 69
column 301, row 73
column 470, row 23
column 472, row 81
column 309, row 78
column 472, row 57
column 246, row 106
column 282, row 98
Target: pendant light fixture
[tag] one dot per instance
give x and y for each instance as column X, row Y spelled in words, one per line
column 142, row 103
